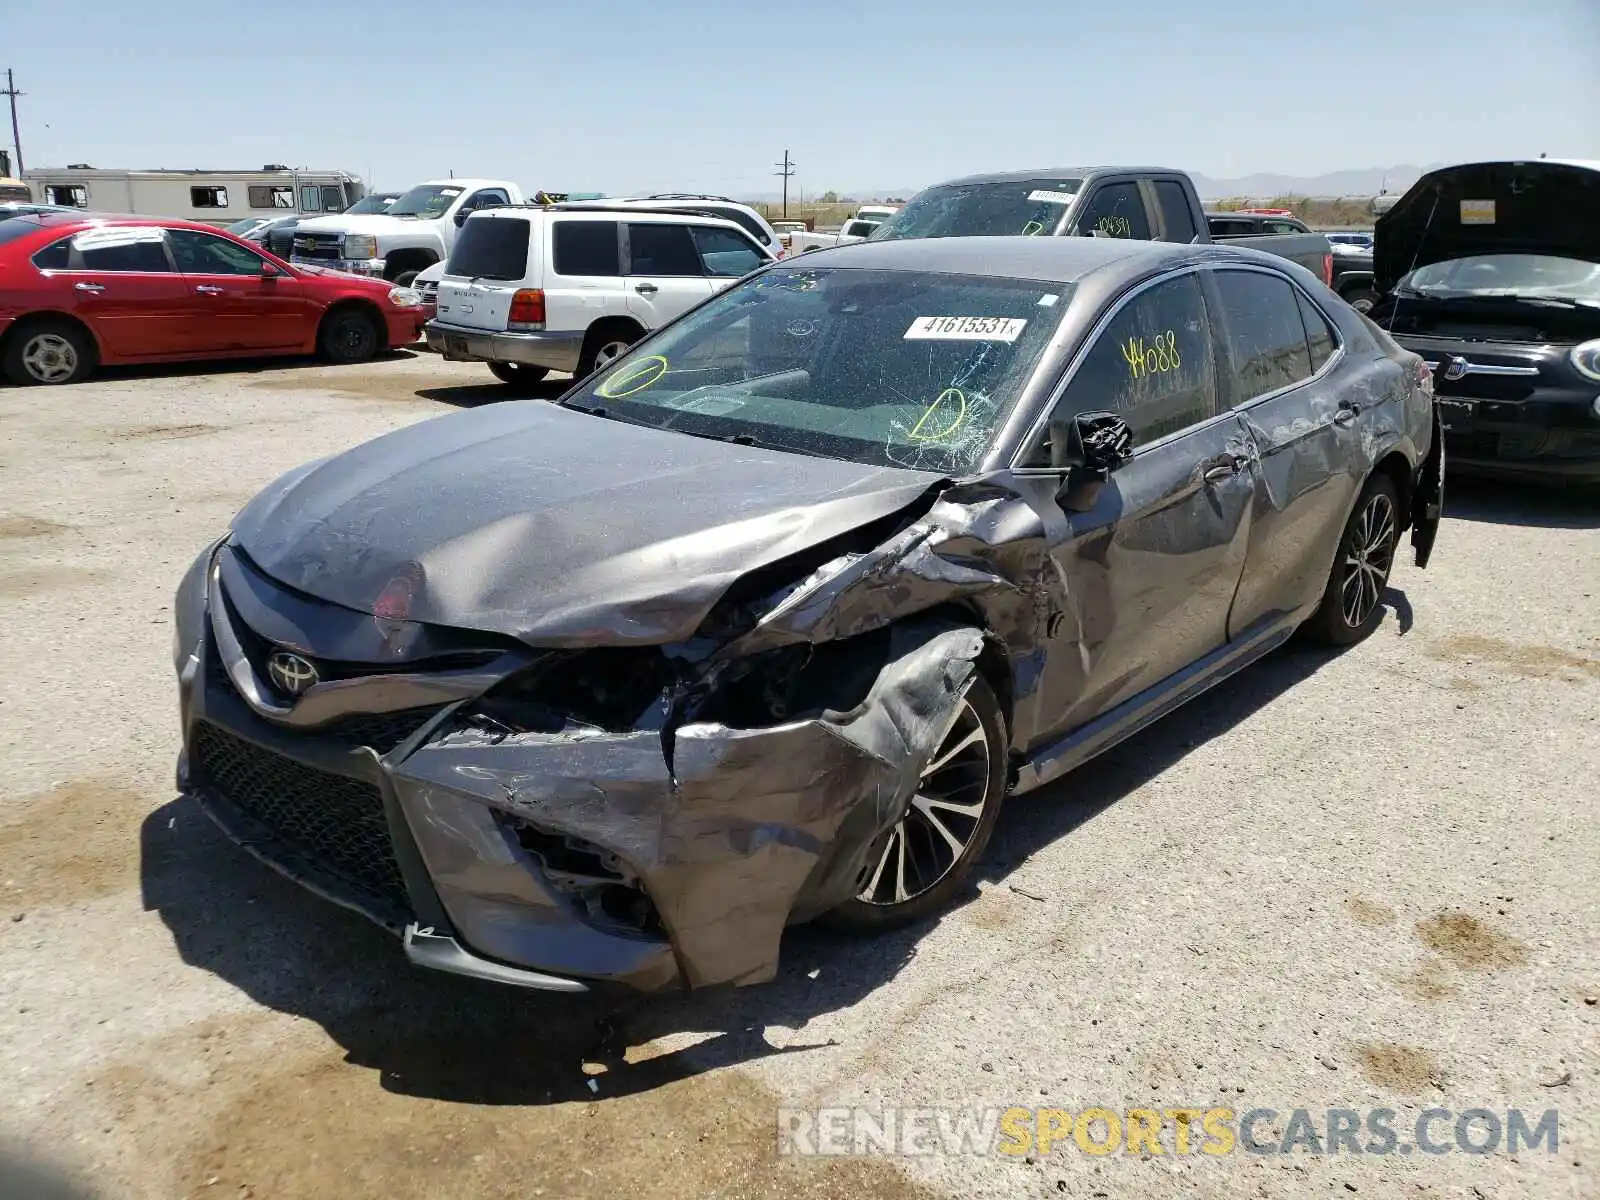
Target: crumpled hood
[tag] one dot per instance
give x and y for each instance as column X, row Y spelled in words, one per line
column 553, row 526
column 1542, row 206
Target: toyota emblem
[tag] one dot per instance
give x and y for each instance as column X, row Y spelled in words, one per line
column 291, row 674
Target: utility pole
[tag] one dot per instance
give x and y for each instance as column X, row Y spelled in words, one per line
column 786, row 170
column 16, row 136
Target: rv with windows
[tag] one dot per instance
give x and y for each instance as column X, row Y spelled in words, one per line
column 217, row 197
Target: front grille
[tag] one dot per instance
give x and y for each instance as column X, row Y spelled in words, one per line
column 317, row 245
column 336, row 823
column 381, row 731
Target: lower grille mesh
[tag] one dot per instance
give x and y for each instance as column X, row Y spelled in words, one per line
column 337, row 823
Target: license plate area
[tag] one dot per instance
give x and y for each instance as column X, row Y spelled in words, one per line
column 456, row 345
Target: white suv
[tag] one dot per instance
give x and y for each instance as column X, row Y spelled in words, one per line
column 530, row 290
column 742, row 215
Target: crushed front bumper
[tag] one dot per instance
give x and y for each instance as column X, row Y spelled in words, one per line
column 458, row 836
column 555, row 351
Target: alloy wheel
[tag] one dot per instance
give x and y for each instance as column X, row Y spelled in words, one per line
column 49, row 358
column 609, row 351
column 941, row 820
column 1367, row 560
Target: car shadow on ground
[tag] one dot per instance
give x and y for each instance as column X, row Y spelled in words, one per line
column 241, row 366
column 1541, row 506
column 448, row 1038
column 491, row 391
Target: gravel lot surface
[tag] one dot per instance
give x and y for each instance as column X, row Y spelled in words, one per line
column 1363, row 880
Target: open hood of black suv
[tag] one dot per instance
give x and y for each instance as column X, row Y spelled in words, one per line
column 1542, row 206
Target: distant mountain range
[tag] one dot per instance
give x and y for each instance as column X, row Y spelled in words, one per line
column 1363, row 181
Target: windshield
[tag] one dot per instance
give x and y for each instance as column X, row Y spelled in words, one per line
column 894, row 368
column 1530, row 276
column 1024, row 206
column 427, row 201
column 371, row 204
column 246, row 225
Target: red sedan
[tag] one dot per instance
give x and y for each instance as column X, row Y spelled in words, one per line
column 80, row 291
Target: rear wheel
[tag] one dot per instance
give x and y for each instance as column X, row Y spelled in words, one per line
column 45, row 353
column 404, row 278
column 601, row 347
column 349, row 335
column 921, row 863
column 1352, row 603
column 519, row 377
column 1361, row 299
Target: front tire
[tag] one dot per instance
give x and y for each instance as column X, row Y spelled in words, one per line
column 920, row 864
column 519, row 377
column 1352, row 604
column 350, row 335
column 404, row 278
column 47, row 353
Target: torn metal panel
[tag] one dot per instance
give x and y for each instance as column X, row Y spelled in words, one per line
column 727, row 840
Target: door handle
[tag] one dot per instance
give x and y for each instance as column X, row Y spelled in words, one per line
column 209, row 289
column 89, row 287
column 1224, row 469
column 645, row 289
column 1348, row 412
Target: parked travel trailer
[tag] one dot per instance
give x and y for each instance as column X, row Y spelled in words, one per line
column 219, row 197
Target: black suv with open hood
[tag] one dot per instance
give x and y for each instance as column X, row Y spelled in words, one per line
column 1491, row 272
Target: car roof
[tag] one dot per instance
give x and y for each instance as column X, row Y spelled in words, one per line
column 1059, row 172
column 676, row 216
column 1047, row 259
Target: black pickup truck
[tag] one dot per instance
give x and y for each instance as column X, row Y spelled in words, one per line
column 1149, row 203
column 1351, row 274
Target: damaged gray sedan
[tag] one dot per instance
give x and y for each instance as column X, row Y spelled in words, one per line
column 762, row 622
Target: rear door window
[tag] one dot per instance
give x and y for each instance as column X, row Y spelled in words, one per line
column 725, row 253
column 662, row 250
column 57, row 256
column 1115, row 210
column 1266, row 339
column 1320, row 337
column 492, row 248
column 1152, row 365
column 585, row 248
column 1177, row 219
column 141, row 249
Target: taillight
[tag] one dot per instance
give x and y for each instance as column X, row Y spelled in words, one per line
column 1327, row 270
column 527, row 309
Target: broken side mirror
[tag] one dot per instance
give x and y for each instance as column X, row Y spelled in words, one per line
column 1090, row 446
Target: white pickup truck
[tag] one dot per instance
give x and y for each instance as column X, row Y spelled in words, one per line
column 415, row 232
column 866, row 218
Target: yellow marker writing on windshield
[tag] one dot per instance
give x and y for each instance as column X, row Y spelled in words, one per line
column 1032, row 228
column 635, row 377
column 953, row 403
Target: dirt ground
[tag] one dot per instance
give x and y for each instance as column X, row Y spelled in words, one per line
column 1354, row 880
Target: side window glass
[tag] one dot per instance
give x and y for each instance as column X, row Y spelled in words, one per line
column 54, row 257
column 1175, row 212
column 208, row 197
column 332, row 199
column 1152, row 365
column 1320, row 336
column 271, row 196
column 725, row 253
column 139, row 248
column 1115, row 210
column 662, row 250
column 1266, row 338
column 311, row 199
column 68, row 195
column 202, row 254
column 585, row 248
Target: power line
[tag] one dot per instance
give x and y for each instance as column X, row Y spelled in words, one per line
column 16, row 136
column 786, row 170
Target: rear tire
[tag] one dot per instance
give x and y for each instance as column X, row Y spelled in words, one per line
column 600, row 347
column 958, row 800
column 350, row 335
column 45, row 353
column 1352, row 604
column 404, row 278
column 519, row 377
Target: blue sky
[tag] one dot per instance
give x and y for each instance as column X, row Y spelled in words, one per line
column 614, row 95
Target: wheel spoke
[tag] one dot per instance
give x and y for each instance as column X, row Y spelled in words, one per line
column 871, row 889
column 975, row 738
column 966, row 810
column 950, row 839
column 900, row 891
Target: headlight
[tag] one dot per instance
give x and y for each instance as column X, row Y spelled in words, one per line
column 359, row 245
column 1587, row 359
column 404, row 297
